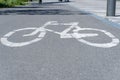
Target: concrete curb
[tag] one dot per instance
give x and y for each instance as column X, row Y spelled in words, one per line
column 103, row 19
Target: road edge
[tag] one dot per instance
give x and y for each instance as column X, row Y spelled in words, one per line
column 104, row 20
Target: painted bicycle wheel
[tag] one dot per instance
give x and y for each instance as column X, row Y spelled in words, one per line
column 82, row 38
column 5, row 40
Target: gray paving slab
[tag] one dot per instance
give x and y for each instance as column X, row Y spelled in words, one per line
column 98, row 7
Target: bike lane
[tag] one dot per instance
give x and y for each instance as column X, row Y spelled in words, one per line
column 53, row 57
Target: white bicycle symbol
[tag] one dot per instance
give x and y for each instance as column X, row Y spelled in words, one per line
column 64, row 34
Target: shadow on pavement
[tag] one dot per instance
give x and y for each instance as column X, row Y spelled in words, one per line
column 49, row 8
column 117, row 15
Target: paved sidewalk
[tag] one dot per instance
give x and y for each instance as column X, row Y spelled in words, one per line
column 97, row 7
column 51, row 7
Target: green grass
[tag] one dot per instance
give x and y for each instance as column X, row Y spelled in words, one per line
column 11, row 3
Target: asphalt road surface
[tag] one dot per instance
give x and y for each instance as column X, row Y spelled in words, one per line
column 62, row 49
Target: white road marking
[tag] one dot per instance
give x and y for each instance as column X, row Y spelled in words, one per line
column 114, row 41
column 6, row 42
column 64, row 34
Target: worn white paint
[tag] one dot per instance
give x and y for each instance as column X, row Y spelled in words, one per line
column 5, row 41
column 64, row 34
